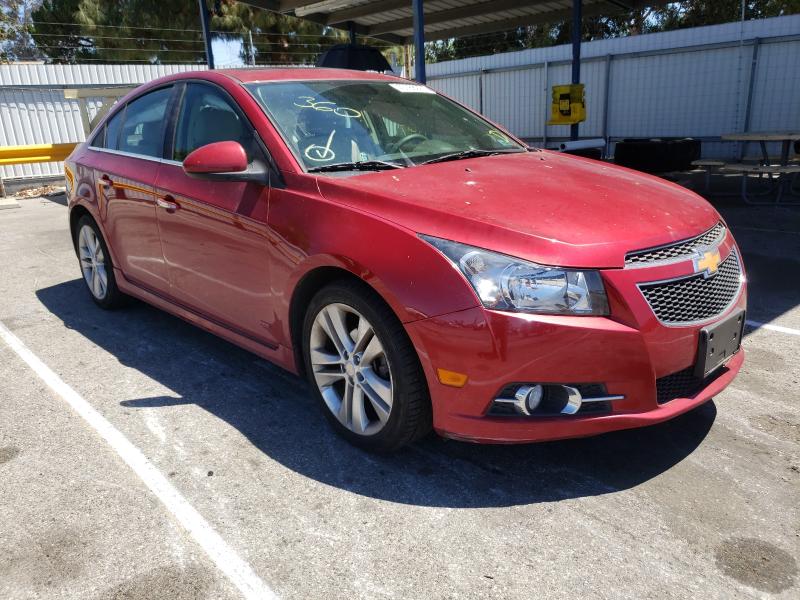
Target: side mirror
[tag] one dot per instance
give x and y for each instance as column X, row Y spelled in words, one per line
column 224, row 161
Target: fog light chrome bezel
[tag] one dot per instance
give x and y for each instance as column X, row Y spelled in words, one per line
column 527, row 400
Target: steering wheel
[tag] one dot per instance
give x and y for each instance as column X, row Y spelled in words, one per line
column 411, row 136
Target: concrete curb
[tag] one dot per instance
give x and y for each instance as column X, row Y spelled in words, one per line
column 8, row 203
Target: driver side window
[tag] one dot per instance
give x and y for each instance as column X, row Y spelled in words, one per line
column 207, row 116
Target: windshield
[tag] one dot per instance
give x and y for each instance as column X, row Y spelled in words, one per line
column 370, row 124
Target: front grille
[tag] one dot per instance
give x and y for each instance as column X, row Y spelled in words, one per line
column 713, row 236
column 696, row 297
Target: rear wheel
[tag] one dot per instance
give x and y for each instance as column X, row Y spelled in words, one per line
column 96, row 265
column 364, row 369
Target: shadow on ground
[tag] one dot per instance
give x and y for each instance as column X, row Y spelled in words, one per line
column 275, row 411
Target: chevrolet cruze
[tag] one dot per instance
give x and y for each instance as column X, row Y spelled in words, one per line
column 422, row 267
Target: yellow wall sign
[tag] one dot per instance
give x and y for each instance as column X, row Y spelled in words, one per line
column 569, row 104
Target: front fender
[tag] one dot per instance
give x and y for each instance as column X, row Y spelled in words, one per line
column 310, row 233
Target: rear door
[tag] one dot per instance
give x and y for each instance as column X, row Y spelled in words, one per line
column 214, row 234
column 126, row 156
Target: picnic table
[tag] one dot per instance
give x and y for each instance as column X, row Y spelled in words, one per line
column 786, row 173
column 785, row 138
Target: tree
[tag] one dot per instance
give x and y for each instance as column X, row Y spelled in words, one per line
column 118, row 30
column 674, row 15
column 276, row 38
column 15, row 31
column 709, row 12
column 169, row 31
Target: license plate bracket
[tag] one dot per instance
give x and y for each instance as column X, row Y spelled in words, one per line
column 718, row 343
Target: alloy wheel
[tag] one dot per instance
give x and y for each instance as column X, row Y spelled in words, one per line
column 351, row 369
column 93, row 262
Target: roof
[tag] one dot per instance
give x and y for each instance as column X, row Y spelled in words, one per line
column 248, row 75
column 392, row 20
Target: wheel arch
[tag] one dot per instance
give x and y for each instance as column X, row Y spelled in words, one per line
column 309, row 284
column 77, row 212
column 75, row 215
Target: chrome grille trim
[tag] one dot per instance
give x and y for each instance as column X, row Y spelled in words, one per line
column 675, row 251
column 695, row 298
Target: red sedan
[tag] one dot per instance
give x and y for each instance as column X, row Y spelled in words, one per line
column 421, row 266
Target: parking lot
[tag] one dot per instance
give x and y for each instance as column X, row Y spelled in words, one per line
column 707, row 505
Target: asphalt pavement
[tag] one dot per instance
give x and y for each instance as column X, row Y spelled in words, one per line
column 238, row 464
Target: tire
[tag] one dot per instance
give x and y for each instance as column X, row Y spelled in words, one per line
column 96, row 267
column 365, row 367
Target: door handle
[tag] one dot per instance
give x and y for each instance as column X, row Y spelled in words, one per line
column 167, row 203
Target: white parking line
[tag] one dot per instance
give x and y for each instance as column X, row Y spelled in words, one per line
column 239, row 572
column 780, row 328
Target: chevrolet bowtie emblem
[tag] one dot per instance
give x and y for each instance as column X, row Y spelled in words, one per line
column 707, row 262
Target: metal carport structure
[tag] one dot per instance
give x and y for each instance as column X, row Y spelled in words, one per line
column 417, row 21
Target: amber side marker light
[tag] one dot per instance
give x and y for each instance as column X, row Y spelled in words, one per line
column 451, row 378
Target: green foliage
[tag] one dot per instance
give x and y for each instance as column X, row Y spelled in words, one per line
column 675, row 15
column 15, row 30
column 707, row 12
column 158, row 31
column 70, row 31
column 276, row 38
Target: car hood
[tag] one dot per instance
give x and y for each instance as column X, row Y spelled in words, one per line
column 546, row 207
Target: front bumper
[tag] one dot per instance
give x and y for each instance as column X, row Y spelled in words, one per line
column 627, row 352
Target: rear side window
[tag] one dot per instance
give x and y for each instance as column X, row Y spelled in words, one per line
column 108, row 137
column 208, row 116
column 112, row 131
column 142, row 130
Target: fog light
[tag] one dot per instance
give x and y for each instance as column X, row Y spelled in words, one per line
column 527, row 398
column 552, row 400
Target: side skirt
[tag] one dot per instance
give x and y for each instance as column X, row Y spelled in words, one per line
column 274, row 353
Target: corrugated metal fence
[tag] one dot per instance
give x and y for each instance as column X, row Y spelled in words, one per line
column 33, row 109
column 686, row 83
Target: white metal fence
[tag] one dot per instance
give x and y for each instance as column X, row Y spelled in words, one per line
column 700, row 83
column 33, row 109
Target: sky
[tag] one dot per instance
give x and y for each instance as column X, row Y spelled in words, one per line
column 226, row 52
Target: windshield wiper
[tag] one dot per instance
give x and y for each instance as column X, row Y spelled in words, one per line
column 362, row 165
column 472, row 153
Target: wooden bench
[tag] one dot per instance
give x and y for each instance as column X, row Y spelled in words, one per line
column 772, row 160
column 752, row 168
column 782, row 172
column 710, row 166
column 708, row 162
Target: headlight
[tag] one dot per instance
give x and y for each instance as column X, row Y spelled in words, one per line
column 507, row 283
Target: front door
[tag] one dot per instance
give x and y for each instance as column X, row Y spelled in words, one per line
column 125, row 157
column 214, row 234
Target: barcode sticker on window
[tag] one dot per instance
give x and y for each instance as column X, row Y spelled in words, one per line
column 410, row 88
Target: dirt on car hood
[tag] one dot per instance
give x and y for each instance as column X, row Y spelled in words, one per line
column 543, row 206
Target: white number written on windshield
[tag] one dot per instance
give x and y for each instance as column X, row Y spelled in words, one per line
column 326, row 106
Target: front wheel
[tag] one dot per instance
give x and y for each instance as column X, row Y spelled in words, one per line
column 364, row 369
